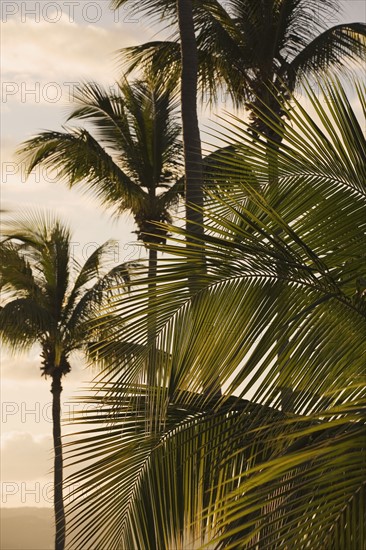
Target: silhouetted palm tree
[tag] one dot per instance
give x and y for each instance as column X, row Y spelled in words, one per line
column 50, row 299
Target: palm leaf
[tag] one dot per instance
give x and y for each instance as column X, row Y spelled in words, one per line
column 201, row 470
column 80, row 160
column 335, row 47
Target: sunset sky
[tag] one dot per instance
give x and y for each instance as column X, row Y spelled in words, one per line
column 47, row 47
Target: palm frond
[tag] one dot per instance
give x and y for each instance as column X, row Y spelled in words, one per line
column 172, row 466
column 23, row 322
column 216, row 477
column 80, row 160
column 159, row 56
column 335, row 48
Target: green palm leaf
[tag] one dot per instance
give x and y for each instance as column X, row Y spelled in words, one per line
column 198, row 470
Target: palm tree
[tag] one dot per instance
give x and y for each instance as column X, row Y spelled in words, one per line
column 131, row 163
column 50, row 299
column 236, row 471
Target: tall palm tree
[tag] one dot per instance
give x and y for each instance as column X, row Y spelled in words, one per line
column 130, row 159
column 235, row 471
column 50, row 299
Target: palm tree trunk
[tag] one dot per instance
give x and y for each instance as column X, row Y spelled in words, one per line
column 191, row 134
column 151, row 328
column 153, row 259
column 56, row 390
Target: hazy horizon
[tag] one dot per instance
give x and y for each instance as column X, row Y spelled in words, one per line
column 36, row 533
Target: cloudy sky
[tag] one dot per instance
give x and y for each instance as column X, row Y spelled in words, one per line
column 48, row 47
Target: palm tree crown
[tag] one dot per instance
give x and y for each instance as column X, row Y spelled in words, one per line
column 132, row 162
column 42, row 304
column 247, row 46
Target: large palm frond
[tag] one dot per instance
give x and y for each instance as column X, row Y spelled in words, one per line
column 234, row 471
column 336, row 47
column 79, row 159
column 236, row 475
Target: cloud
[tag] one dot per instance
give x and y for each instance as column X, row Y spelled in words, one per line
column 26, row 366
column 41, row 62
column 20, row 366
